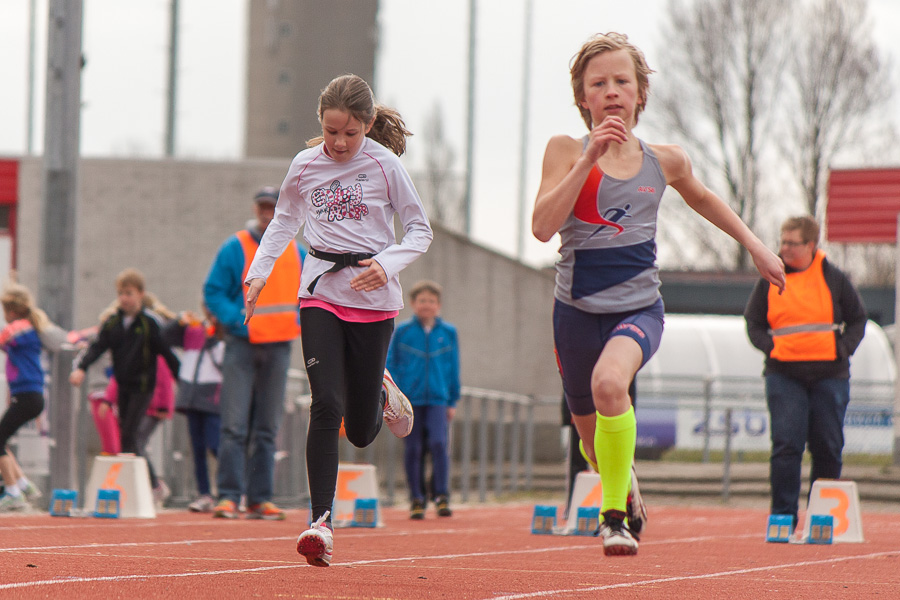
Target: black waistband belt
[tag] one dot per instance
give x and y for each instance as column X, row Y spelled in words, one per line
column 350, row 259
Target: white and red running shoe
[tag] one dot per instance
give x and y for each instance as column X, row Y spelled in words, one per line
column 618, row 540
column 317, row 542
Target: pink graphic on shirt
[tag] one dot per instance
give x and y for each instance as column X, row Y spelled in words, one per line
column 341, row 202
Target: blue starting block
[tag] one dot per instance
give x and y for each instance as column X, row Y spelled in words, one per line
column 365, row 512
column 780, row 528
column 62, row 502
column 107, row 504
column 821, row 529
column 587, row 520
column 544, row 519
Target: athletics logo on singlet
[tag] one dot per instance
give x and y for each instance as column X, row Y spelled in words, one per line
column 340, row 202
column 611, row 218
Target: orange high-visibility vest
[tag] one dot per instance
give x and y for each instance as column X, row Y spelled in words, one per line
column 275, row 316
column 802, row 318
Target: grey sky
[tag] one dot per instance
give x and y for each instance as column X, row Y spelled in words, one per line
column 124, row 82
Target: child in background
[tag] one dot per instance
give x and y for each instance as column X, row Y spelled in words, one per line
column 161, row 407
column 424, row 360
column 199, row 383
column 133, row 335
column 104, row 404
column 20, row 340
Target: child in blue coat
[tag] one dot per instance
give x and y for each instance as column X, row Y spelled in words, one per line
column 20, row 340
column 423, row 358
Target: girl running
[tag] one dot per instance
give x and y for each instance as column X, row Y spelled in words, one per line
column 601, row 194
column 20, row 340
column 344, row 191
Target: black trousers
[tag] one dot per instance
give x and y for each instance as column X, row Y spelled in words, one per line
column 345, row 366
column 132, row 406
column 23, row 407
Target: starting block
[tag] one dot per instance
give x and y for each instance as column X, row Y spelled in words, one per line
column 354, row 482
column 365, row 512
column 821, row 529
column 107, row 504
column 586, row 493
column 779, row 528
column 62, row 502
column 588, row 520
column 129, row 476
column 544, row 519
column 838, row 499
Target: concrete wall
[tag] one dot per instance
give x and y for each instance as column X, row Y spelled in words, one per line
column 168, row 218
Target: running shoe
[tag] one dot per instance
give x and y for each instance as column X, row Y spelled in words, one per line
column 636, row 509
column 203, row 504
column 443, row 506
column 317, row 542
column 417, row 510
column 225, row 509
column 161, row 493
column 618, row 540
column 265, row 510
column 398, row 412
column 31, row 491
column 13, row 503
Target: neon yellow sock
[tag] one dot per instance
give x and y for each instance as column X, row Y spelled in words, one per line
column 614, row 441
column 586, row 458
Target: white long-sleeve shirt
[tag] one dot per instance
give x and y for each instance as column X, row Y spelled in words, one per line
column 347, row 207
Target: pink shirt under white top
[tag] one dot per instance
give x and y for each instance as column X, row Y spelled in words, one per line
column 346, row 313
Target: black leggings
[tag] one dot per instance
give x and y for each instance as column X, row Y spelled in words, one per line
column 345, row 367
column 133, row 405
column 23, row 407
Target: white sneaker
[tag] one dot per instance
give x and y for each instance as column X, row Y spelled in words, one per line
column 398, row 412
column 13, row 503
column 161, row 493
column 203, row 504
column 317, row 543
column 637, row 510
column 31, row 491
column 618, row 540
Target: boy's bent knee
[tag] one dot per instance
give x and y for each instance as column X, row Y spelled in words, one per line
column 607, row 391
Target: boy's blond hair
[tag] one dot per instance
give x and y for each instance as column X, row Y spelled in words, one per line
column 608, row 42
column 130, row 278
column 425, row 285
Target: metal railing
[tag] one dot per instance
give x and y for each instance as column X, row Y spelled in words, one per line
column 492, row 448
column 729, row 396
column 493, row 437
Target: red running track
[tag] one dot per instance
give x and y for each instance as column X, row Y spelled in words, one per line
column 481, row 553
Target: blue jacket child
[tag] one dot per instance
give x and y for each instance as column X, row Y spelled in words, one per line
column 423, row 359
column 425, row 365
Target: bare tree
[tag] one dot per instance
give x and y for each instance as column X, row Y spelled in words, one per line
column 442, row 195
column 720, row 72
column 840, row 83
column 768, row 86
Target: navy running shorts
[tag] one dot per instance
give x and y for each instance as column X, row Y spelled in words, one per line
column 580, row 337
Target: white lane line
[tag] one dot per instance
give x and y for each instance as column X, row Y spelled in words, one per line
column 416, row 558
column 633, row 584
column 145, row 544
column 25, row 584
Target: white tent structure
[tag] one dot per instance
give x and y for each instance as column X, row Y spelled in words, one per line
column 706, row 364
